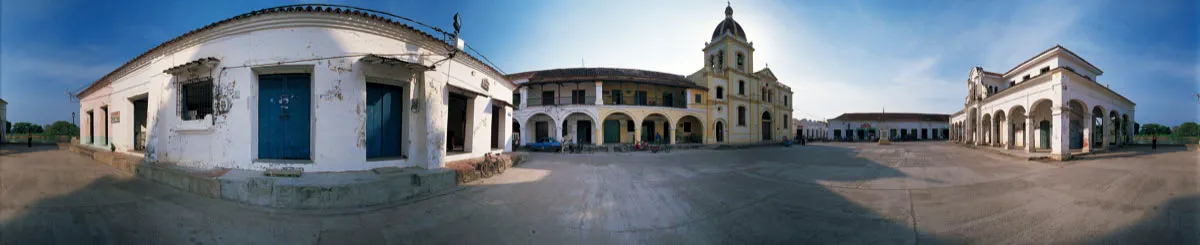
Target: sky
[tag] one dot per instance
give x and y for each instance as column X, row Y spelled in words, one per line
column 838, row 56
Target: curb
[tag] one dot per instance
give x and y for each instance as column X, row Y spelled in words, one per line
column 340, row 190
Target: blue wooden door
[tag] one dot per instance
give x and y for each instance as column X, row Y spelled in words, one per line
column 284, row 116
column 384, row 125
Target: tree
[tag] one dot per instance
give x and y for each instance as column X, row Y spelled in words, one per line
column 7, row 127
column 62, row 128
column 1188, row 129
column 25, row 127
column 1154, row 128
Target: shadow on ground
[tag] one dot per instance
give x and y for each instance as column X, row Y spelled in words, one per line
column 752, row 196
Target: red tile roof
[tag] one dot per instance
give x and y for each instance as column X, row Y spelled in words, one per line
column 381, row 18
column 874, row 116
column 604, row 74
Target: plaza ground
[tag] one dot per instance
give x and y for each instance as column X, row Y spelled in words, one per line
column 857, row 193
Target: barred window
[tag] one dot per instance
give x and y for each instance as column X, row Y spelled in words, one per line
column 196, row 99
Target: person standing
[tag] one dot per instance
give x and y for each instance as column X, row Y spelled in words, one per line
column 1154, row 142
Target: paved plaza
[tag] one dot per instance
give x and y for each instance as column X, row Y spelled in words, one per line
column 816, row 194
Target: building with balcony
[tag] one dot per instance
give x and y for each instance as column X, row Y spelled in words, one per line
column 325, row 89
column 608, row 106
column 726, row 101
column 1050, row 103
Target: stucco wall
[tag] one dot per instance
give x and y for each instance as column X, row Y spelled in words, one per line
column 327, row 48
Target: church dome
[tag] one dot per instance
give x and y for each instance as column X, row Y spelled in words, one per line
column 729, row 26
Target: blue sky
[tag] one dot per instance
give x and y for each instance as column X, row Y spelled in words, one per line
column 838, row 56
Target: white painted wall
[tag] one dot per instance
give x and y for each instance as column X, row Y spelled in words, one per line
column 329, row 48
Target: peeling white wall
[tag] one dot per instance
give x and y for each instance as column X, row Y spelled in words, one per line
column 328, row 48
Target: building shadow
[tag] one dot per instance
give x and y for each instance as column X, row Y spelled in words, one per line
column 1132, row 151
column 13, row 149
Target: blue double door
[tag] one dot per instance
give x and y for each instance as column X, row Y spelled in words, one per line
column 385, row 126
column 284, row 116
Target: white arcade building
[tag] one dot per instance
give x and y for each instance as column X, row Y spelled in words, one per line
column 1049, row 103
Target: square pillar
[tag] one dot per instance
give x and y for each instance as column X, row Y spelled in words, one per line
column 524, row 97
column 599, row 93
column 1107, row 132
column 1087, row 132
column 1029, row 129
column 1059, row 141
column 597, row 132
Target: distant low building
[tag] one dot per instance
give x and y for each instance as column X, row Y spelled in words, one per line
column 812, row 129
column 897, row 126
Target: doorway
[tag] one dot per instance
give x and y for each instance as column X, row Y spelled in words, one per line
column 139, row 124
column 385, row 121
column 456, row 123
column 766, row 126
column 583, row 131
column 497, row 113
column 541, row 131
column 1045, row 128
column 284, row 116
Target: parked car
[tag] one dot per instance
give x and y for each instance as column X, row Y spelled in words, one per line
column 548, row 144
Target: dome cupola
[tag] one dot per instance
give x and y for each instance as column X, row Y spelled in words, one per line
column 729, row 26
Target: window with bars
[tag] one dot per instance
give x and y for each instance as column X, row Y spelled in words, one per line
column 196, row 99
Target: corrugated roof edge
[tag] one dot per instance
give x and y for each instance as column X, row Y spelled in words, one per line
column 312, row 8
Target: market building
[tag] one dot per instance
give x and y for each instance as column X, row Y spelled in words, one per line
column 895, row 126
column 326, row 89
column 1050, row 103
column 726, row 102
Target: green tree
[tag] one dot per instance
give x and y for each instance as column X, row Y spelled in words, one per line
column 1188, row 129
column 62, row 128
column 25, row 127
column 7, row 127
column 1154, row 128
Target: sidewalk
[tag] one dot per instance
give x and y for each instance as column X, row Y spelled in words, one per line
column 355, row 189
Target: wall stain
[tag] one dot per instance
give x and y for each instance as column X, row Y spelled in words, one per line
column 341, row 66
column 332, row 93
column 360, row 128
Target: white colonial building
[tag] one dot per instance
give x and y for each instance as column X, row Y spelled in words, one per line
column 321, row 88
column 812, row 129
column 1049, row 103
column 895, row 126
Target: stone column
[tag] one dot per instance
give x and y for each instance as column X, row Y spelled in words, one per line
column 1107, row 132
column 1029, row 129
column 524, row 98
column 637, row 132
column 1059, row 141
column 597, row 132
column 1087, row 132
column 599, row 93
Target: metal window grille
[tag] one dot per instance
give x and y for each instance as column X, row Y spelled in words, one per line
column 196, row 99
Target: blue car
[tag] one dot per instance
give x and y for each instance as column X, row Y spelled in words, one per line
column 549, row 144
